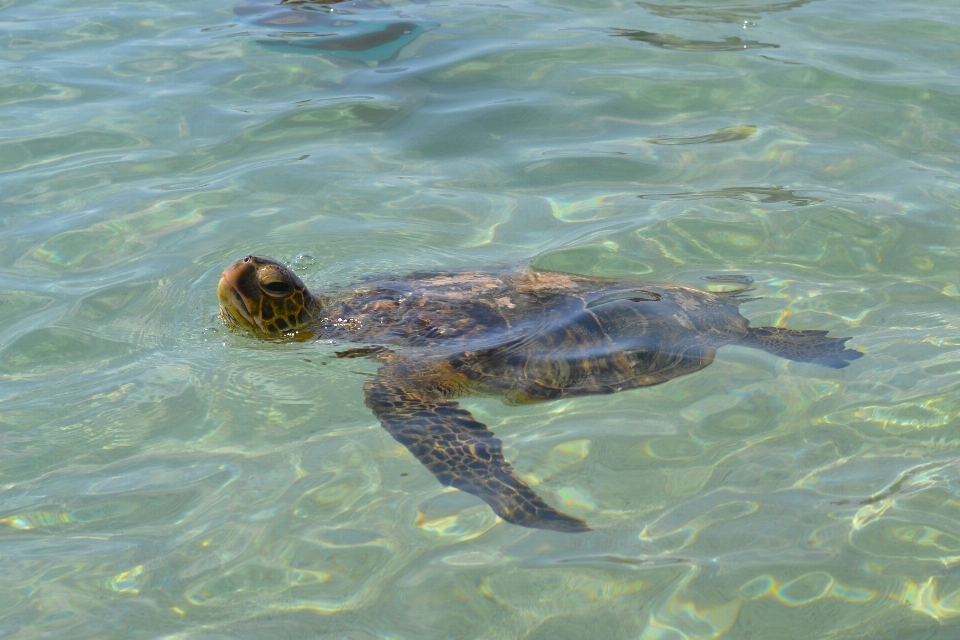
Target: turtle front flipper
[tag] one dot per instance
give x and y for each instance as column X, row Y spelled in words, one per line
column 458, row 450
column 801, row 346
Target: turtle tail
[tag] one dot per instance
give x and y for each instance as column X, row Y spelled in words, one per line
column 801, row 346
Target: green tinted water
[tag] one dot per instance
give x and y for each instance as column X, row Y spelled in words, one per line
column 161, row 476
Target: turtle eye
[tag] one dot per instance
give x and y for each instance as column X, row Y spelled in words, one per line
column 278, row 287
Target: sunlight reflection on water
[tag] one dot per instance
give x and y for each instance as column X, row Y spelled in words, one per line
column 163, row 476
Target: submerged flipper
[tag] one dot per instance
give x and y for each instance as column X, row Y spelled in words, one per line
column 458, row 450
column 801, row 346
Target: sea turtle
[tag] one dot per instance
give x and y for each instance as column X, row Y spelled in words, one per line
column 522, row 334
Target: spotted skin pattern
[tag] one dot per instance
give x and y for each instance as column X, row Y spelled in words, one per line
column 522, row 335
column 458, row 450
column 801, row 346
column 263, row 296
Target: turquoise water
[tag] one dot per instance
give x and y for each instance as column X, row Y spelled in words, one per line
column 164, row 477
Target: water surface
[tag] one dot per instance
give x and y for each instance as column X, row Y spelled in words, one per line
column 163, row 477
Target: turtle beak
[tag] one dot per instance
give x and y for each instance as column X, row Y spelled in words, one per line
column 233, row 303
column 230, row 275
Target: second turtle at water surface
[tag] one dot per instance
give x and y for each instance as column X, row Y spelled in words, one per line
column 523, row 334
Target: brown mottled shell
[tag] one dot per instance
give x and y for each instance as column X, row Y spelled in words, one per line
column 534, row 335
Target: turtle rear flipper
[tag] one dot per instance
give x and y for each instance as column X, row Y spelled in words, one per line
column 801, row 346
column 458, row 450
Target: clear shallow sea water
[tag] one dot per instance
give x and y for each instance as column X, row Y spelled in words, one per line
column 163, row 477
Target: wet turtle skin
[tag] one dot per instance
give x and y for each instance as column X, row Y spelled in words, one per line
column 523, row 335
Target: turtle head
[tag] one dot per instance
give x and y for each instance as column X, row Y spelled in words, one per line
column 265, row 297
